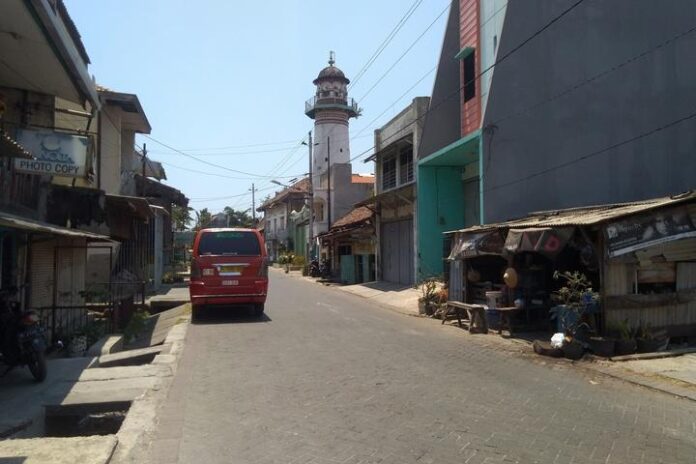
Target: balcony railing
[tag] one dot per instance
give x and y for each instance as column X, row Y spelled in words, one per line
column 318, row 103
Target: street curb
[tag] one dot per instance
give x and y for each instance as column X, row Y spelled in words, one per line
column 140, row 424
column 682, row 391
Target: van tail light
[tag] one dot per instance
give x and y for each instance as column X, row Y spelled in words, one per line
column 195, row 270
column 263, row 269
column 30, row 318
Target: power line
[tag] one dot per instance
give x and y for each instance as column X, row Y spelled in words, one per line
column 385, row 42
column 229, row 197
column 596, row 77
column 392, row 104
column 413, row 44
column 595, row 153
column 479, row 75
column 203, row 161
column 252, row 145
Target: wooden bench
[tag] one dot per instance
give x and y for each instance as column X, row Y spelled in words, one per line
column 506, row 314
column 474, row 315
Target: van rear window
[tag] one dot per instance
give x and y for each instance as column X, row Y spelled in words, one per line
column 229, row 243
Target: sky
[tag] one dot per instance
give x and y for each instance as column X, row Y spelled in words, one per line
column 225, row 81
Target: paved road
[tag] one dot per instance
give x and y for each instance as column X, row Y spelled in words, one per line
column 330, row 379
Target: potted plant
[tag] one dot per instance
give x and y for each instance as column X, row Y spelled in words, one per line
column 575, row 299
column 649, row 340
column 626, row 343
column 426, row 302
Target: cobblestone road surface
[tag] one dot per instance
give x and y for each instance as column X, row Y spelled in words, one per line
column 330, row 379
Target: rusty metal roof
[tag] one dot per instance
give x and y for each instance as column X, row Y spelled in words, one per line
column 586, row 215
column 10, row 147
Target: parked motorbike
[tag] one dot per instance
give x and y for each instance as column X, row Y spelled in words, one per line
column 22, row 339
column 314, row 268
column 324, row 269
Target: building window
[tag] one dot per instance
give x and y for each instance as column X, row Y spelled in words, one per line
column 282, row 222
column 406, row 165
column 470, row 76
column 389, row 173
column 275, row 224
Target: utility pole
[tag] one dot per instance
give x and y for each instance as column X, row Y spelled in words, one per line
column 142, row 190
column 310, row 232
column 253, row 204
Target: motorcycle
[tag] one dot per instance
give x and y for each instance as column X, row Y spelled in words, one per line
column 324, row 269
column 314, row 268
column 22, row 340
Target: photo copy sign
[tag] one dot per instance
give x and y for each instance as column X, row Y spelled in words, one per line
column 56, row 154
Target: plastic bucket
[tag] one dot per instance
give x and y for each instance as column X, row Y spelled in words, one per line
column 494, row 299
column 493, row 318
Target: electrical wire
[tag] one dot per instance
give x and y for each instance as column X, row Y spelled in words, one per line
column 251, row 175
column 412, row 9
column 410, row 47
column 480, row 74
column 595, row 153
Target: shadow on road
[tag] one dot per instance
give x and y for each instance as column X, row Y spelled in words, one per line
column 228, row 315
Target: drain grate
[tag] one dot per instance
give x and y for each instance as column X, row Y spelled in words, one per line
column 82, row 420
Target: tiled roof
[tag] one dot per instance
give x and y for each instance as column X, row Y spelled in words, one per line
column 363, row 179
column 301, row 186
column 355, row 216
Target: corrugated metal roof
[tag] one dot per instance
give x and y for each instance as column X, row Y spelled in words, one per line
column 16, row 222
column 10, row 147
column 586, row 215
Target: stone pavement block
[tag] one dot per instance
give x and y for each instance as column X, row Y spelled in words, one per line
column 127, row 389
column 125, row 372
column 130, row 357
column 82, row 450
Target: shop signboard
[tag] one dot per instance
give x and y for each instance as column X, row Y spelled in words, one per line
column 55, row 153
column 544, row 240
column 478, row 244
column 647, row 230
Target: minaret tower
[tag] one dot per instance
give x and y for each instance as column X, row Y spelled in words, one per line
column 331, row 110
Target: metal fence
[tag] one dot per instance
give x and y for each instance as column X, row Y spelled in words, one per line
column 107, row 308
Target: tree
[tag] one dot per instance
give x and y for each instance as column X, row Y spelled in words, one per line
column 203, row 218
column 238, row 218
column 181, row 217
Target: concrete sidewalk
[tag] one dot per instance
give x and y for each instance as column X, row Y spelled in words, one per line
column 169, row 296
column 401, row 298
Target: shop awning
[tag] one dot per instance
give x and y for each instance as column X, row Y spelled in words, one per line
column 15, row 222
column 135, row 206
column 470, row 245
column 545, row 240
column 402, row 195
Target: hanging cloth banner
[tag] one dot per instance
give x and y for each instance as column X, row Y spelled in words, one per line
column 467, row 245
column 638, row 232
column 547, row 241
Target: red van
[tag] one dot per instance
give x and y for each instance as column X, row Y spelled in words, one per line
column 229, row 267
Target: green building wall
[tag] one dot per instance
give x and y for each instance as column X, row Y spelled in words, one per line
column 440, row 209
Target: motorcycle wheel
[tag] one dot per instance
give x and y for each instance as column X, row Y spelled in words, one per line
column 37, row 366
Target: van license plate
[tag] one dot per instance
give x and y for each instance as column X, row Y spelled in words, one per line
column 230, row 282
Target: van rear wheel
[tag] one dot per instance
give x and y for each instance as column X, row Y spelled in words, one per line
column 196, row 313
column 259, row 309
